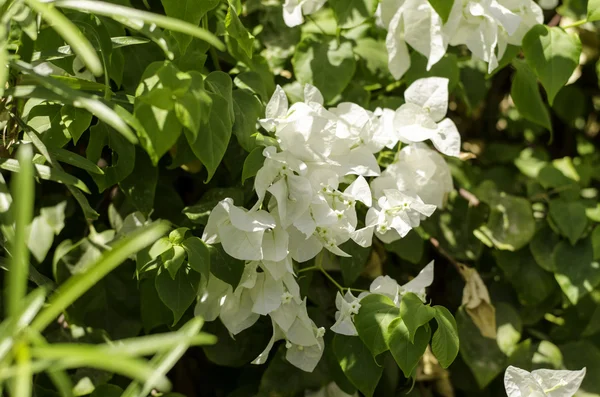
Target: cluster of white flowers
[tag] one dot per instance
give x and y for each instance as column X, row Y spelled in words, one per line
column 542, row 382
column 486, row 27
column 308, row 188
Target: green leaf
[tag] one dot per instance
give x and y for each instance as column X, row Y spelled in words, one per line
column 355, row 264
column 510, row 225
column 373, row 320
column 414, row 314
column 328, row 65
column 595, row 236
column 553, row 54
column 198, row 256
column 510, row 327
column 254, row 162
column 173, row 259
column 410, row 247
column 358, row 363
column 532, row 284
column 140, row 185
column 407, row 351
column 445, row 340
column 193, row 108
column 247, row 110
column 351, row 13
column 3, row 71
column 123, row 155
column 593, row 10
column 44, row 227
column 211, row 144
column 225, row 267
column 236, row 30
column 569, row 217
column 78, row 284
column 107, row 390
column 526, row 95
column 576, row 271
column 542, row 248
column 178, row 293
column 188, row 10
column 481, row 354
column 442, row 7
column 580, row 354
column 65, row 156
column 69, row 32
column 153, row 311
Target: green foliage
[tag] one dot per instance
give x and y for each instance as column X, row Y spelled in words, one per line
column 125, row 122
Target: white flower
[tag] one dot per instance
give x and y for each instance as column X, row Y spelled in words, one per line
column 385, row 285
column 530, row 13
column 420, row 170
column 282, row 176
column 245, row 235
column 414, row 22
column 211, row 297
column 479, row 24
column 542, row 382
column 293, row 10
column 422, row 116
column 347, row 306
column 396, row 214
column 304, row 340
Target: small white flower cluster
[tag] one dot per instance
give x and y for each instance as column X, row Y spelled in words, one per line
column 542, row 382
column 486, row 27
column 348, row 305
column 303, row 207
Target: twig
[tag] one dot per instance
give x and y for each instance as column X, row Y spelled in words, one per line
column 457, row 265
column 470, row 197
column 555, row 20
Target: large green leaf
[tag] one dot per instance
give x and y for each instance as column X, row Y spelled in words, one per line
column 198, row 256
column 414, row 314
column 328, row 65
column 373, row 320
column 553, row 54
column 358, row 363
column 248, row 110
column 593, row 10
column 236, row 30
column 526, row 95
column 224, row 266
column 576, row 271
column 407, row 352
column 210, row 145
column 481, row 354
column 188, row 10
column 532, row 284
column 445, row 340
column 569, row 217
column 179, row 293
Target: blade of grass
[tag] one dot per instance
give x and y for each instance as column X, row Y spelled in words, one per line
column 77, row 285
column 23, row 193
column 163, row 362
column 75, row 356
column 22, row 382
column 69, row 32
column 79, row 99
column 45, row 172
column 116, row 12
